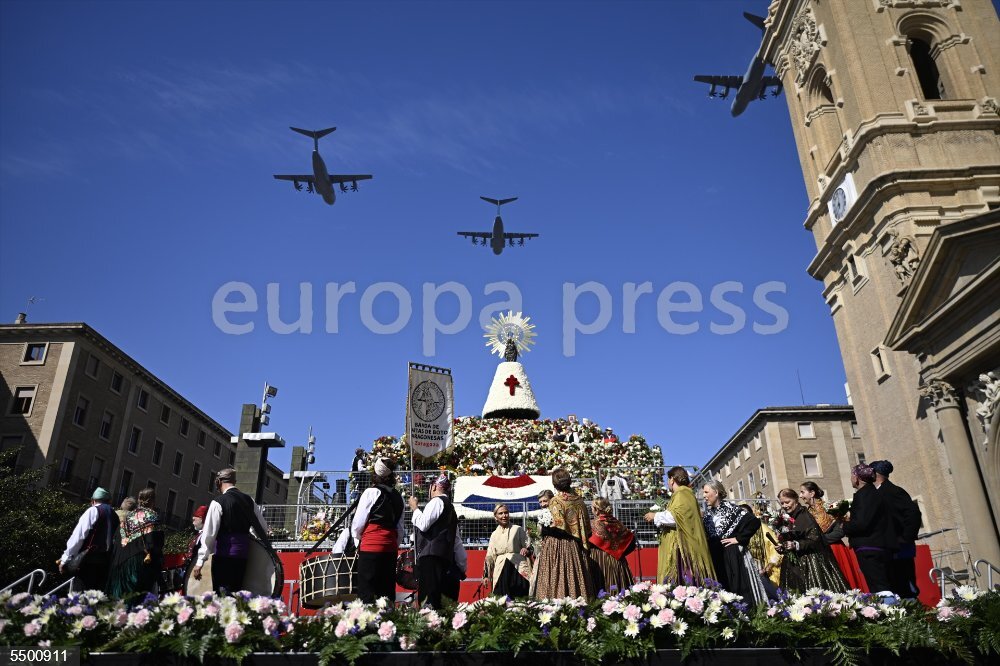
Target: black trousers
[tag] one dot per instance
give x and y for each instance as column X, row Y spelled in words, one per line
column 94, row 570
column 228, row 573
column 436, row 579
column 903, row 577
column 376, row 576
column 874, row 566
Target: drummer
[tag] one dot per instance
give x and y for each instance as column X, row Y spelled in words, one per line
column 377, row 528
column 226, row 534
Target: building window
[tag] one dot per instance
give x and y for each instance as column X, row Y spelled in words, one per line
column 736, row 460
column 185, row 427
column 92, row 366
column 124, row 486
column 24, row 400
column 740, row 493
column 928, row 75
column 189, row 509
column 201, row 439
column 232, row 458
column 762, row 471
column 165, row 415
column 178, row 463
column 805, row 429
column 171, row 503
column 117, row 381
column 96, row 472
column 157, row 452
column 855, row 431
column 880, row 364
column 151, row 484
column 107, row 421
column 34, row 353
column 142, row 400
column 195, row 473
column 267, row 482
column 752, row 482
column 811, row 465
column 134, row 440
column 757, row 442
column 211, row 481
column 80, row 414
column 66, row 465
column 861, row 459
column 218, row 448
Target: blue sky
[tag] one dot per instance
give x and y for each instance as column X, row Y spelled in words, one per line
column 137, row 143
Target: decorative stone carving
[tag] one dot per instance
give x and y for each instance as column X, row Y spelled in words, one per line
column 903, row 256
column 921, row 110
column 772, row 11
column 803, row 44
column 940, row 394
column 905, row 4
column 989, row 105
column 988, row 387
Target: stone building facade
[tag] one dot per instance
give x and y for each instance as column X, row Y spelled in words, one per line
column 780, row 447
column 93, row 416
column 894, row 107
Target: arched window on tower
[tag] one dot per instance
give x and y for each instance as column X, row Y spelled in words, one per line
column 926, row 69
column 822, row 117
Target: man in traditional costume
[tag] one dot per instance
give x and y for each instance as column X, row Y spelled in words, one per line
column 377, row 529
column 683, row 554
column 226, row 534
column 870, row 530
column 439, row 554
column 905, row 516
column 94, row 535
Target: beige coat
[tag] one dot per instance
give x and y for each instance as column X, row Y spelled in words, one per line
column 506, row 544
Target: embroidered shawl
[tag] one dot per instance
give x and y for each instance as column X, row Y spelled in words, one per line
column 139, row 522
column 610, row 535
column 569, row 514
column 720, row 521
column 822, row 517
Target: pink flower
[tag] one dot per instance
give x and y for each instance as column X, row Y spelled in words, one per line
column 184, row 615
column 212, row 609
column 406, row 643
column 33, row 628
column 632, row 612
column 694, row 604
column 692, row 590
column 609, row 606
column 944, row 613
column 89, row 622
column 386, row 630
column 666, row 616
column 772, row 611
column 458, row 621
column 869, row 612
column 591, row 625
column 121, row 617
column 270, row 624
column 140, row 618
column 342, row 628
column 680, row 592
column 233, row 632
column 74, row 610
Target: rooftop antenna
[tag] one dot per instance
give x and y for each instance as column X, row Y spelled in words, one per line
column 802, row 395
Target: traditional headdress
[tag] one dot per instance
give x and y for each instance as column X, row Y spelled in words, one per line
column 383, row 467
column 200, row 512
column 863, row 472
column 101, row 495
column 442, row 482
column 883, row 467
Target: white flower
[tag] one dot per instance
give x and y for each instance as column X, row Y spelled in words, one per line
column 632, row 629
column 166, row 627
column 728, row 633
column 679, row 628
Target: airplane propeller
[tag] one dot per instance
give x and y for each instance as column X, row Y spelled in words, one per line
column 343, row 187
column 309, row 187
column 521, row 242
column 298, row 185
column 354, row 186
column 712, row 93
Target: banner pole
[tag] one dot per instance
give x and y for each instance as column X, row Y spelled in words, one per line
column 409, row 435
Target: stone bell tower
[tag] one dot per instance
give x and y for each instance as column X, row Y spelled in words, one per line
column 894, row 105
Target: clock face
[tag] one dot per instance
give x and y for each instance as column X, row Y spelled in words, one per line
column 839, row 203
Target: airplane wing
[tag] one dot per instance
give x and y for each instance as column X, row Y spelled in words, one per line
column 721, row 81
column 769, row 82
column 514, row 235
column 476, row 234
column 304, row 178
column 340, row 178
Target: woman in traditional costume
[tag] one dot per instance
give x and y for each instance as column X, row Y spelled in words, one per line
column 729, row 529
column 833, row 531
column 808, row 562
column 506, row 562
column 563, row 567
column 763, row 547
column 137, row 565
column 545, row 516
column 611, row 542
column 683, row 557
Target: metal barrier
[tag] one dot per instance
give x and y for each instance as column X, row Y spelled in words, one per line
column 68, row 584
column 989, row 572
column 30, row 577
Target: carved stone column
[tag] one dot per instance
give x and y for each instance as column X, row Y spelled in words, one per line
column 971, row 495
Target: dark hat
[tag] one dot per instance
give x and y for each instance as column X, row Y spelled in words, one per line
column 883, row 467
column 359, row 450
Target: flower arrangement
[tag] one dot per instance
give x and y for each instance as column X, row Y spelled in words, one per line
column 315, row 528
column 511, row 446
column 838, row 509
column 621, row 625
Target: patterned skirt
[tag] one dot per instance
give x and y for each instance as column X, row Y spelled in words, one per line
column 563, row 571
column 608, row 572
column 811, row 570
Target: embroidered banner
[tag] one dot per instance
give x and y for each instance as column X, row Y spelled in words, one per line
column 430, row 410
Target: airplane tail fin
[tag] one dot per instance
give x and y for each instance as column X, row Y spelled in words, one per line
column 313, row 134
column 756, row 20
column 498, row 202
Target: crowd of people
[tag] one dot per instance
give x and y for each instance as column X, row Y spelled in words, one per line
column 122, row 551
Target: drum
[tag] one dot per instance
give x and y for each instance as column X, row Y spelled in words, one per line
column 325, row 579
column 264, row 577
column 406, row 570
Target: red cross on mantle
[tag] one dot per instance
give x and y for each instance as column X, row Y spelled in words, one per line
column 512, row 383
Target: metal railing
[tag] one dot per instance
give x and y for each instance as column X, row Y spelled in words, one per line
column 30, row 577
column 941, row 576
column 68, row 584
column 989, row 572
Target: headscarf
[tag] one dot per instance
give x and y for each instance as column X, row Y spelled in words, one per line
column 863, row 472
column 382, row 468
column 883, row 467
column 442, row 482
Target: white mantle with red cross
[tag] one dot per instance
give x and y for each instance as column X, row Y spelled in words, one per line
column 510, row 394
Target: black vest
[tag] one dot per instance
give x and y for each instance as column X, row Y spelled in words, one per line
column 439, row 539
column 102, row 535
column 388, row 508
column 237, row 512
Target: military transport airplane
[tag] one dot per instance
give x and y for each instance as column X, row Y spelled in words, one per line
column 752, row 85
column 320, row 181
column 497, row 237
